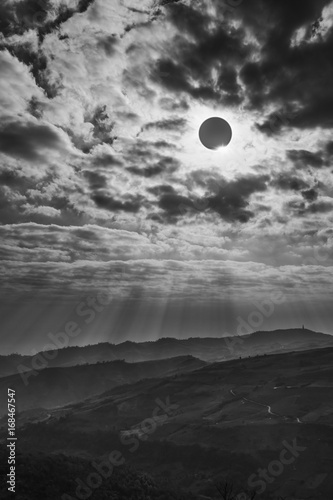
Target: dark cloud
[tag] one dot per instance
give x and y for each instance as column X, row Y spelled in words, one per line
column 162, row 189
column 16, row 182
column 189, row 20
column 224, row 45
column 174, row 77
column 227, row 82
column 166, row 2
column 145, row 158
column 230, row 200
column 301, row 209
column 276, row 121
column 318, row 113
column 166, row 164
column 189, row 67
column 205, row 92
column 146, row 172
column 171, row 124
column 303, row 159
column 162, row 144
column 96, row 180
column 27, row 140
column 11, row 179
column 329, row 149
column 297, row 76
column 321, row 207
column 288, row 182
column 107, row 44
column 148, row 154
column 109, row 203
column 17, row 17
column 106, row 160
column 135, row 25
column 310, row 194
column 175, row 205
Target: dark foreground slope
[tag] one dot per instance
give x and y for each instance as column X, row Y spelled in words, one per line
column 65, row 478
column 225, row 421
column 53, row 387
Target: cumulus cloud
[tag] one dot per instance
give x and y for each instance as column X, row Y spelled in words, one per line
column 28, row 141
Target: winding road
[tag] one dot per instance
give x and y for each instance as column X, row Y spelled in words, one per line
column 269, row 408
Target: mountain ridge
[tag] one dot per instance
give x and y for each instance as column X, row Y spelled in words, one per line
column 207, row 349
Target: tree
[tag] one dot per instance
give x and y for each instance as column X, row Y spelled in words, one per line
column 226, row 491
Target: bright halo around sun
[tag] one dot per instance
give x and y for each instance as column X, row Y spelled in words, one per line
column 245, row 149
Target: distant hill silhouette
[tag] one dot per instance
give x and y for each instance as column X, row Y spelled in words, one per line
column 206, row 349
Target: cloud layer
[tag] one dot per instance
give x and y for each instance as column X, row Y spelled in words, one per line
column 100, row 161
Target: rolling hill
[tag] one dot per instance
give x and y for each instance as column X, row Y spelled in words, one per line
column 53, row 387
column 225, row 420
column 206, row 349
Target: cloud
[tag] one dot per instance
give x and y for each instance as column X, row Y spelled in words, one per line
column 301, row 209
column 107, row 43
column 64, row 14
column 175, row 205
column 321, row 207
column 159, row 280
column 16, row 17
column 103, row 125
column 271, row 79
column 17, row 86
column 310, row 194
column 230, row 200
column 287, row 181
column 96, row 180
column 29, row 140
column 98, row 130
column 165, row 165
column 11, row 179
column 108, row 203
column 302, row 158
column 45, row 17
column 329, row 149
column 172, row 124
column 37, row 63
column 203, row 47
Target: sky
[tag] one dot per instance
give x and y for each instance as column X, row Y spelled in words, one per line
column 107, row 189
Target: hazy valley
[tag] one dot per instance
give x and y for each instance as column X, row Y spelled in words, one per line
column 190, row 423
